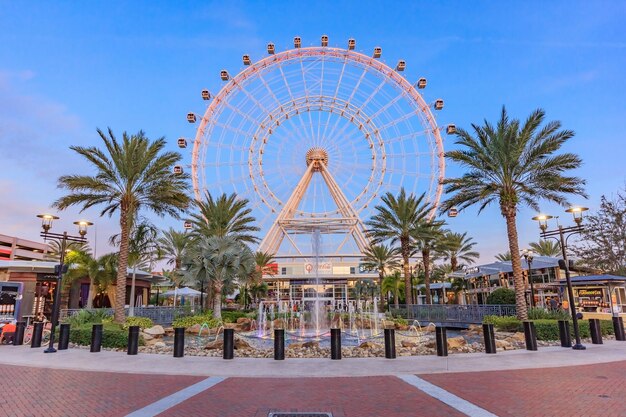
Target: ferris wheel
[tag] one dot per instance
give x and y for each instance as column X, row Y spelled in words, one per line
column 312, row 137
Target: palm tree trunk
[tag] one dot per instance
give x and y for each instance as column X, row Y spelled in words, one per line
column 407, row 275
column 92, row 292
column 120, row 287
column 426, row 261
column 454, row 263
column 396, row 298
column 217, row 303
column 518, row 278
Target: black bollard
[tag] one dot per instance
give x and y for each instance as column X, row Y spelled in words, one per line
column 133, row 340
column 490, row 339
column 390, row 343
column 279, row 344
column 96, row 338
column 596, row 333
column 530, row 334
column 229, row 344
column 64, row 336
column 564, row 334
column 441, row 337
column 179, row 342
column 35, row 342
column 335, row 344
column 618, row 327
column 18, row 338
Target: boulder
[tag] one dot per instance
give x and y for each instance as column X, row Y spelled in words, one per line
column 241, row 320
column 295, row 346
column 155, row 331
column 216, row 344
column 146, row 336
column 311, row 345
column 456, row 342
column 241, row 344
column 244, row 324
column 195, row 329
column 408, row 344
column 475, row 328
column 369, row 345
column 160, row 345
column 503, row 344
column 518, row 337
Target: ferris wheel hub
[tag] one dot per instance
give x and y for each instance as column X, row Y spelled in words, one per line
column 317, row 156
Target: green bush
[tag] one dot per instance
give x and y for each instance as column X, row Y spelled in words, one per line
column 113, row 336
column 142, row 322
column 538, row 313
column 198, row 319
column 546, row 329
column 504, row 323
column 502, row 296
column 232, row 316
column 400, row 321
column 89, row 317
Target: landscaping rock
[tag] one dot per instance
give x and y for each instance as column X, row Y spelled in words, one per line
column 503, row 344
column 456, row 342
column 156, row 331
column 311, row 345
column 408, row 344
column 369, row 345
column 519, row 337
column 195, row 329
column 295, row 346
column 146, row 336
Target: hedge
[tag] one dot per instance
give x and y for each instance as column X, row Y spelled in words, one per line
column 113, row 336
column 546, row 329
column 198, row 319
column 142, row 322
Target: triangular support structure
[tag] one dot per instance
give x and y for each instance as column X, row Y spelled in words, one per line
column 349, row 221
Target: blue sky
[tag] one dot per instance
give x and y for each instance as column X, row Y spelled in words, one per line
column 67, row 68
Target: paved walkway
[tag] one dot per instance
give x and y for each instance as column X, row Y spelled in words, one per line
column 550, row 382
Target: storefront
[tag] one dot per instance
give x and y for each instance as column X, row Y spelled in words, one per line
column 599, row 293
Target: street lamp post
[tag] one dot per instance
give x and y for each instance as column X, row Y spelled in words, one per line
column 64, row 239
column 529, row 255
column 562, row 234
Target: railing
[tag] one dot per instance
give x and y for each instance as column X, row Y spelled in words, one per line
column 158, row 315
column 461, row 314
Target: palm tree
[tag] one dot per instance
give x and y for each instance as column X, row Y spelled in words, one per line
column 504, row 257
column 222, row 260
column 512, row 164
column 546, row 248
column 143, row 251
column 458, row 246
column 381, row 258
column 398, row 220
column 173, row 246
column 226, row 216
column 258, row 290
column 393, row 283
column 131, row 175
column 100, row 271
column 428, row 238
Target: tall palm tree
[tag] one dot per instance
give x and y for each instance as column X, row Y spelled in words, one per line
column 381, row 258
column 458, row 247
column 101, row 272
column 513, row 163
column 226, row 216
column 398, row 220
column 550, row 248
column 393, row 283
column 131, row 175
column 428, row 238
column 504, row 257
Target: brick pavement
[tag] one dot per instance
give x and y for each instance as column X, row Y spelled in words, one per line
column 35, row 392
column 577, row 391
column 344, row 397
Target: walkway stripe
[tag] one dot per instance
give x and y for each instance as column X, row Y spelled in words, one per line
column 446, row 397
column 176, row 398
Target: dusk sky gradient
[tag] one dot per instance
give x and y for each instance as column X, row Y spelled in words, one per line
column 68, row 67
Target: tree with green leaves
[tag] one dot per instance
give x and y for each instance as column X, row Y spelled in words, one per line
column 381, row 258
column 395, row 284
column 513, row 163
column 101, row 273
column 458, row 247
column 225, row 216
column 130, row 175
column 603, row 243
column 398, row 220
column 222, row 261
column 550, row 248
column 429, row 241
column 503, row 257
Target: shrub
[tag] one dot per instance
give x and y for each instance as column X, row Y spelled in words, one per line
column 142, row 322
column 502, row 296
column 538, row 313
column 198, row 319
column 400, row 321
column 113, row 336
column 504, row 323
column 232, row 316
column 89, row 317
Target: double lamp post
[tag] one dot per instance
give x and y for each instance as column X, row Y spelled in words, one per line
column 64, row 240
column 562, row 234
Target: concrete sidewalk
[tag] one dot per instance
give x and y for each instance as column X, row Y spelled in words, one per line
column 107, row 361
